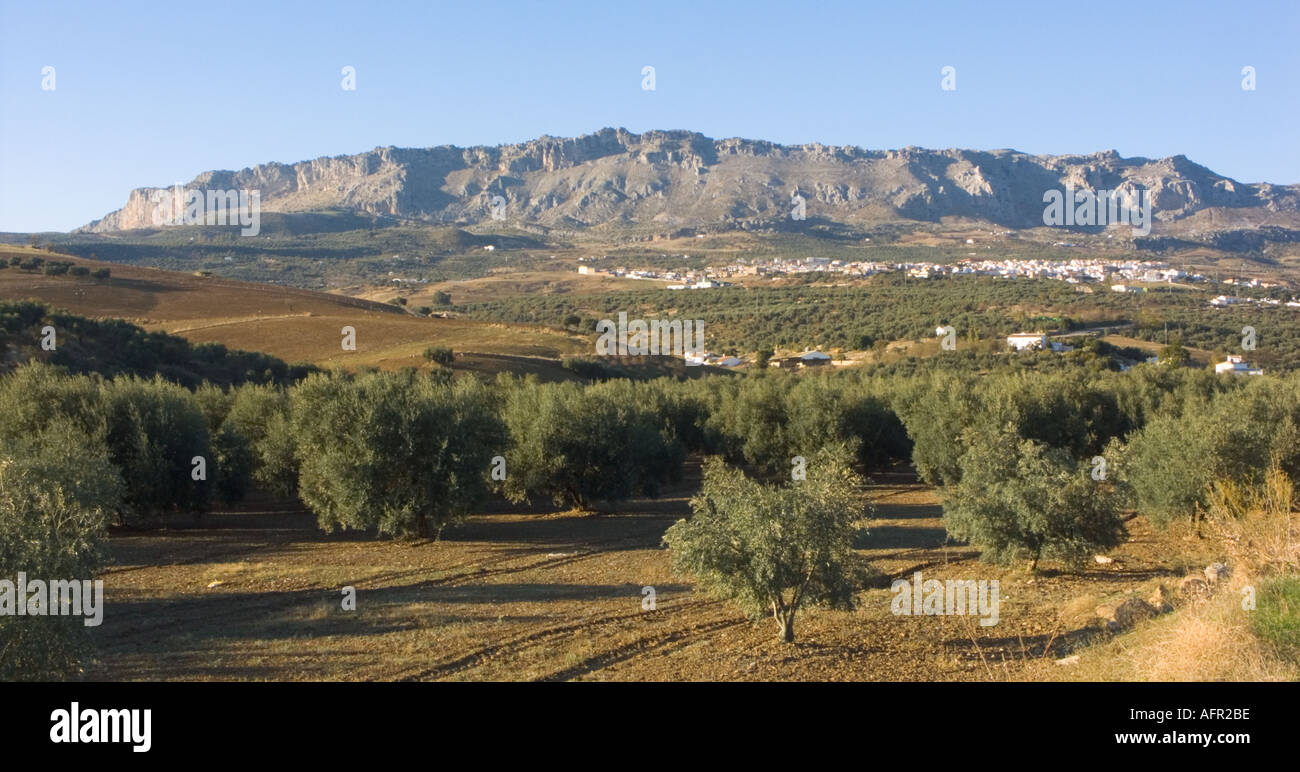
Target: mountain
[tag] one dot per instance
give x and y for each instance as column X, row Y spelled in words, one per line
column 669, row 180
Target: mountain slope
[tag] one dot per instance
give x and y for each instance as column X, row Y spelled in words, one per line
column 676, row 179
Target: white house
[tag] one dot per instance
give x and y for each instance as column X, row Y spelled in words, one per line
column 1023, row 341
column 1237, row 366
column 813, row 358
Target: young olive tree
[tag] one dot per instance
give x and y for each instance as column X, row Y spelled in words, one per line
column 774, row 549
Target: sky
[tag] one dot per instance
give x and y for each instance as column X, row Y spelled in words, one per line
column 150, row 94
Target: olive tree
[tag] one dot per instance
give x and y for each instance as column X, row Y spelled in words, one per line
column 936, row 410
column 57, row 490
column 155, row 430
column 580, row 445
column 774, row 549
column 399, row 452
column 440, row 355
column 260, row 414
column 233, row 457
column 1172, row 462
column 1023, row 500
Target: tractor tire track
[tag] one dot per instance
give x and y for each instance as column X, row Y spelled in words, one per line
column 526, row 641
column 640, row 648
column 202, row 613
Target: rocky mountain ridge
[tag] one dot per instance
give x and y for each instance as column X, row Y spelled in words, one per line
column 679, row 179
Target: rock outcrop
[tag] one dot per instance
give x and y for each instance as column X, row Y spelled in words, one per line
column 675, row 179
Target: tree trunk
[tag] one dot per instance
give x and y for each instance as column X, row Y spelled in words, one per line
column 786, row 624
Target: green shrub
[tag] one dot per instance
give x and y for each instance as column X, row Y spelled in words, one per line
column 1276, row 618
column 440, row 355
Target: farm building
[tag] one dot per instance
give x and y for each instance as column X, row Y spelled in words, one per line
column 1237, row 366
column 1027, row 341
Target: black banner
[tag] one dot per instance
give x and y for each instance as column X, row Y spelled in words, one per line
column 210, row 721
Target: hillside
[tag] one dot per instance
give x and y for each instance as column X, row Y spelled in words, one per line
column 294, row 325
column 113, row 348
column 667, row 180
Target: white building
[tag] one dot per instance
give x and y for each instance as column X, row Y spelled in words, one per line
column 1237, row 366
column 1023, row 341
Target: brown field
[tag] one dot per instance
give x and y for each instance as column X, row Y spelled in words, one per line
column 541, row 595
column 293, row 324
column 1199, row 355
column 499, row 286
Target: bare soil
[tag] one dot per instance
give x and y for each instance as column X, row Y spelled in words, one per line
column 518, row 594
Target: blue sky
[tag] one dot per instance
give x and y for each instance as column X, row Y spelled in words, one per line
column 154, row 93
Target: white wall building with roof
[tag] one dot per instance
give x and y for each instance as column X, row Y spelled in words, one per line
column 1237, row 366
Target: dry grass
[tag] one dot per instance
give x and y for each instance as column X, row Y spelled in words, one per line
column 1257, row 523
column 1207, row 641
column 1212, row 641
column 1254, row 527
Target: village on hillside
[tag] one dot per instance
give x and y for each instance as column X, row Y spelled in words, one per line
column 1119, row 273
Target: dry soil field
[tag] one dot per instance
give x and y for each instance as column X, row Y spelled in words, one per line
column 540, row 595
column 292, row 324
